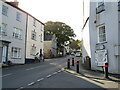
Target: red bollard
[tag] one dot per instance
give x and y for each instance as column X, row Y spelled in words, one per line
column 77, row 67
column 73, row 61
column 106, row 70
column 68, row 64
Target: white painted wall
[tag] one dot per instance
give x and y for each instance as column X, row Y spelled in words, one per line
column 85, row 32
column 109, row 17
column 39, row 30
column 11, row 22
column 86, row 41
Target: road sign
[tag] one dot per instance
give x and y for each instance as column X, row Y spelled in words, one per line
column 101, row 57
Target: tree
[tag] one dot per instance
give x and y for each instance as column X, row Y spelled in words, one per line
column 62, row 31
column 76, row 44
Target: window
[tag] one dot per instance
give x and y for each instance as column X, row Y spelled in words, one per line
column 17, row 33
column 101, row 34
column 100, row 2
column 3, row 30
column 18, row 16
column 34, row 22
column 100, row 6
column 119, row 5
column 33, row 36
column 41, row 37
column 4, row 10
column 33, row 49
column 16, row 52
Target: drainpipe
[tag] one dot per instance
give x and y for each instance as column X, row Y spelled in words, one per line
column 7, row 55
column 26, row 34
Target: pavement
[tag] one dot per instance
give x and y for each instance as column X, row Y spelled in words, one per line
column 92, row 74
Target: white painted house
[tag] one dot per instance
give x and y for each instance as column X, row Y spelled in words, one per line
column 34, row 40
column 104, row 32
column 85, row 31
column 12, row 32
column 21, row 34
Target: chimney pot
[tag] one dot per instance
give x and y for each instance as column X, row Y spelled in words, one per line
column 15, row 3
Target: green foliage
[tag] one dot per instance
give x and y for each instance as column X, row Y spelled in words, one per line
column 76, row 44
column 62, row 31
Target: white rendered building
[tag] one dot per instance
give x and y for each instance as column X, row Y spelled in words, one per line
column 15, row 31
column 104, row 35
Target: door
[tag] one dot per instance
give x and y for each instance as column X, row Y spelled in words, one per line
column 4, row 53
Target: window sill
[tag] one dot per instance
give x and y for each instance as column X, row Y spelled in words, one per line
column 100, row 11
column 5, row 15
column 34, row 39
column 34, row 25
column 101, row 42
column 15, row 58
column 18, row 20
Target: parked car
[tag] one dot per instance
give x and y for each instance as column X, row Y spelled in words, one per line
column 72, row 53
column 77, row 54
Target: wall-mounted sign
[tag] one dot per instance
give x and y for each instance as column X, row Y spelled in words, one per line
column 100, row 47
column 101, row 57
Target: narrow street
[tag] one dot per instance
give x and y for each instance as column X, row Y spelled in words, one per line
column 48, row 74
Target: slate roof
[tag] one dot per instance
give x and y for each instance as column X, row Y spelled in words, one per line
column 48, row 37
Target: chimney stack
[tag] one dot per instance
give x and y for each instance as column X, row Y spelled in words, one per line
column 15, row 3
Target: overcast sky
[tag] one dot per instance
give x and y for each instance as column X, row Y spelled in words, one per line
column 67, row 11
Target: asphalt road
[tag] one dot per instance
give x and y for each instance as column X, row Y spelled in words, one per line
column 47, row 74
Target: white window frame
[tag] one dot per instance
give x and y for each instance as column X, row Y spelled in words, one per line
column 99, row 34
column 41, row 37
column 3, row 30
column 4, row 10
column 33, row 35
column 18, row 16
column 16, row 52
column 33, row 50
column 17, row 33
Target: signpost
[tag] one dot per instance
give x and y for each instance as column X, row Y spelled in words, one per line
column 102, row 60
column 101, row 57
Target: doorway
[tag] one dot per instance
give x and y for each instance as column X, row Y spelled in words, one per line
column 4, row 54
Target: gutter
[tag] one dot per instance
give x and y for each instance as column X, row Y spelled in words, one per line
column 85, row 23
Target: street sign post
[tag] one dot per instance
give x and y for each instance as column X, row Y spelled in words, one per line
column 101, row 57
